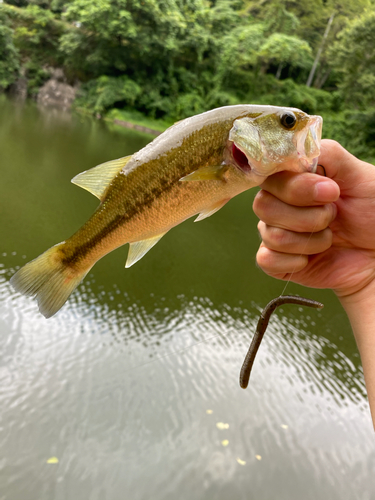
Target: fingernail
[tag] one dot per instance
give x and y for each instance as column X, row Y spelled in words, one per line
column 326, row 191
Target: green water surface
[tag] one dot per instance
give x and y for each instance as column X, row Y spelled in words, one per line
column 132, row 388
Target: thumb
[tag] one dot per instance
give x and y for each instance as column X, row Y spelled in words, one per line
column 342, row 166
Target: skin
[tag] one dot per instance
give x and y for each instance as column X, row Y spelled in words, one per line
column 194, row 167
column 147, row 199
column 340, row 212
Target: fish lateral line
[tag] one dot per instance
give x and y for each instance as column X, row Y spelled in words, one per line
column 262, row 327
column 193, row 168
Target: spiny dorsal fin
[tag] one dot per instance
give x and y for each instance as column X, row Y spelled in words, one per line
column 212, row 172
column 211, row 210
column 138, row 249
column 97, row 179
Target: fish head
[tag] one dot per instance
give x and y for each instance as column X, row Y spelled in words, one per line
column 275, row 139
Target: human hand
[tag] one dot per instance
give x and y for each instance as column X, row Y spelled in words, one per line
column 320, row 231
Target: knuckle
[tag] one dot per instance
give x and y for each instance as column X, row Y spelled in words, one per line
column 319, row 219
column 335, row 147
column 276, row 237
column 261, row 204
column 327, row 216
column 263, row 258
column 327, row 238
column 261, row 228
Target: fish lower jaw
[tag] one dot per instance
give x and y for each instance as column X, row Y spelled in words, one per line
column 307, row 164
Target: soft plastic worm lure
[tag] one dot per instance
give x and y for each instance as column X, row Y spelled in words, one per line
column 262, row 326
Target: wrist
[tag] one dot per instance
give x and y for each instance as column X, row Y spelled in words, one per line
column 360, row 308
column 360, row 304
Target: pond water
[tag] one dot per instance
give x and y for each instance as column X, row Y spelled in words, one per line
column 131, row 391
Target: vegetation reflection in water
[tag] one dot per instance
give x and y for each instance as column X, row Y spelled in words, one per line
column 133, row 386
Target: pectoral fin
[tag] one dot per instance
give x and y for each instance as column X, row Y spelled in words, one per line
column 138, row 249
column 212, row 172
column 211, row 210
column 97, row 179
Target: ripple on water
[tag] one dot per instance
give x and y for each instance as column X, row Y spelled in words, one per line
column 120, row 396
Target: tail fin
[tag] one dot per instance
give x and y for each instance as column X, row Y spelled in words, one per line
column 48, row 279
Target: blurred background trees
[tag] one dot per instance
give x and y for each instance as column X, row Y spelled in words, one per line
column 173, row 58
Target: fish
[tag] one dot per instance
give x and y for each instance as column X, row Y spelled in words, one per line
column 193, row 168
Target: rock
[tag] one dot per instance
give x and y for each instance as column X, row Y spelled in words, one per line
column 56, row 92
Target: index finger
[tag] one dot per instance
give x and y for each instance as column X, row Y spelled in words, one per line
column 342, row 170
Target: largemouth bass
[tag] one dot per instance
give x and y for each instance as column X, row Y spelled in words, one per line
column 194, row 167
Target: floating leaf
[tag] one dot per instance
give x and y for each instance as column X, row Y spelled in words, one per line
column 258, row 457
column 53, row 460
column 225, row 442
column 222, row 426
column 241, row 462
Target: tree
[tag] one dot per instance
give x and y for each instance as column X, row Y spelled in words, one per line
column 353, row 57
column 9, row 56
column 282, row 50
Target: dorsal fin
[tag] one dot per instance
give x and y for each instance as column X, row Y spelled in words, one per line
column 137, row 249
column 97, row 179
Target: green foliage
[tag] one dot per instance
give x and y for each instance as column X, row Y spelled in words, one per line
column 353, row 57
column 133, row 116
column 240, row 48
column 174, row 58
column 354, row 130
column 133, row 35
column 35, row 37
column 103, row 93
column 289, row 93
column 286, row 50
column 280, row 20
column 9, row 56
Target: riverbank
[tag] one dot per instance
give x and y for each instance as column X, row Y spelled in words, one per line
column 135, row 120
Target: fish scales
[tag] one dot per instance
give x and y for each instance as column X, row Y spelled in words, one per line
column 159, row 177
column 194, row 167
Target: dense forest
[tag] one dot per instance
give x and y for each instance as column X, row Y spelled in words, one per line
column 168, row 59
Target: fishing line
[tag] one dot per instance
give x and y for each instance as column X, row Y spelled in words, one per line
column 300, row 255
column 247, row 365
column 304, row 248
column 266, row 314
column 158, row 358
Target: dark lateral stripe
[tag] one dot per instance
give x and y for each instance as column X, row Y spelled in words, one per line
column 81, row 251
column 191, row 149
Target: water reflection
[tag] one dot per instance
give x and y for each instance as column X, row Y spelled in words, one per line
column 108, row 390
column 126, row 385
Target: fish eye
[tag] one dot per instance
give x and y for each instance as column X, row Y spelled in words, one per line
column 288, row 120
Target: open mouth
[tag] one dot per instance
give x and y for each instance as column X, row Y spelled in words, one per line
column 240, row 159
column 308, row 144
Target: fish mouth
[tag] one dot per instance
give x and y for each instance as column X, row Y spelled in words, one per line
column 240, row 159
column 308, row 144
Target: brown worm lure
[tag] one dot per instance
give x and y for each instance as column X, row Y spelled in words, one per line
column 262, row 326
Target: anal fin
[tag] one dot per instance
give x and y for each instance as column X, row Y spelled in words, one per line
column 211, row 210
column 137, row 249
